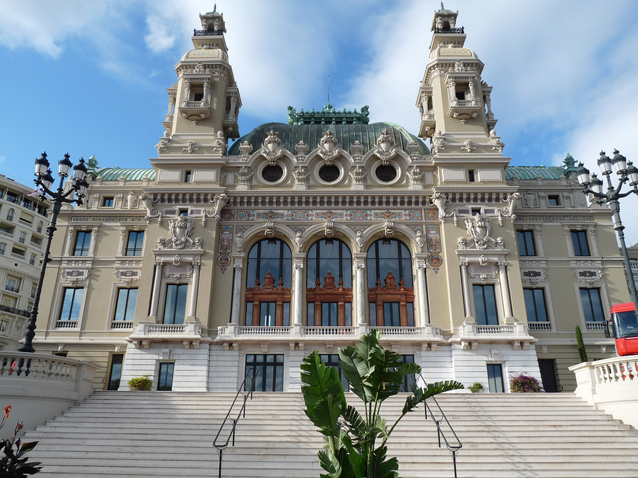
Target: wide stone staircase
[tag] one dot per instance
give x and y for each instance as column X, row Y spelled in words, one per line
column 170, row 434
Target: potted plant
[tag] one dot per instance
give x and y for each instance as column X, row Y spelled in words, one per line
column 476, row 387
column 357, row 443
column 140, row 383
column 524, row 384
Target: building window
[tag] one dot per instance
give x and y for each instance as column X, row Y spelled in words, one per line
column 134, row 243
column 175, row 307
column 3, row 248
column 107, row 202
column 526, row 243
column 471, row 176
column 115, row 374
column 71, row 303
column 329, row 283
column 165, row 378
column 187, row 177
column 592, row 305
column 579, row 240
column 553, row 200
column 12, row 285
column 39, row 228
column 23, row 237
column 390, row 259
column 269, row 260
column 535, row 305
column 125, row 306
column 82, row 241
column 10, row 214
column 267, row 314
column 495, row 377
column 32, row 260
column 332, row 360
column 409, row 381
column 267, row 372
column 485, row 304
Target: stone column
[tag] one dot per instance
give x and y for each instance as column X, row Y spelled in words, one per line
column 192, row 305
column 505, row 292
column 156, row 291
column 93, row 240
column 120, row 249
column 69, row 241
column 360, row 285
column 466, row 292
column 238, row 265
column 297, row 291
column 422, row 293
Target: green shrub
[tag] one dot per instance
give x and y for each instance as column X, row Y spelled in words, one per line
column 580, row 344
column 140, row 383
column 476, row 387
column 524, row 384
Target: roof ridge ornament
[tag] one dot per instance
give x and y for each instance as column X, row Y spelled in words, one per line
column 385, row 149
column 328, row 147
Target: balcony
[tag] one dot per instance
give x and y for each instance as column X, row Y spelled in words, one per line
column 464, row 109
column 539, row 325
column 6, row 233
column 595, row 325
column 36, row 244
column 25, row 222
column 207, row 33
column 470, row 335
column 195, row 110
column 146, row 333
column 121, row 325
column 12, row 288
column 66, row 324
column 428, row 337
column 13, row 310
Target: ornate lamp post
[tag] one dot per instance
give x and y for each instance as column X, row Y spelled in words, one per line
column 44, row 181
column 592, row 185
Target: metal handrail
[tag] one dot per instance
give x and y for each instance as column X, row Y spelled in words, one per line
column 242, row 412
column 452, row 448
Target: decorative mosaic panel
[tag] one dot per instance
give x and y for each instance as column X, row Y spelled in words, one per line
column 294, row 228
column 225, row 239
column 435, row 261
column 223, row 261
column 241, row 229
column 432, row 214
column 358, row 228
column 323, row 215
column 228, row 214
column 106, row 219
column 433, row 235
column 416, row 228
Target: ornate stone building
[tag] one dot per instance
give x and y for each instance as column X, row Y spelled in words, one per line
column 305, row 235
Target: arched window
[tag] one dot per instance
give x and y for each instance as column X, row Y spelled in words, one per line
column 329, row 284
column 268, row 283
column 10, row 213
column 390, row 289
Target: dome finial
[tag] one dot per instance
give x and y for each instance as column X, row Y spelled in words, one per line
column 215, row 7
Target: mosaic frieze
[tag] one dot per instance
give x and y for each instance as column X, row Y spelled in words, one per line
column 228, row 214
column 556, row 219
column 225, row 239
column 323, row 215
column 106, row 219
column 433, row 235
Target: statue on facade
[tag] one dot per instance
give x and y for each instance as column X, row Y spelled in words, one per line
column 360, row 241
column 148, row 202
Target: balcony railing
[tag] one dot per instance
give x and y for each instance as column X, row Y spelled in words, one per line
column 449, row 30
column 13, row 310
column 145, row 333
column 36, row 244
column 12, row 288
column 13, row 199
column 119, row 324
column 471, row 334
column 66, row 324
column 203, row 33
column 494, row 329
column 595, row 325
column 17, row 256
column 6, row 234
column 539, row 325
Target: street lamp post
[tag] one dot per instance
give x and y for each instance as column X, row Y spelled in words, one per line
column 44, row 181
column 593, row 185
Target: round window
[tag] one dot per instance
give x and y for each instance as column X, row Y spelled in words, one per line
column 329, row 174
column 272, row 174
column 386, row 173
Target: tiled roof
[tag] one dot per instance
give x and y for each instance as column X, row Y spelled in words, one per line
column 346, row 134
column 532, row 172
column 114, row 174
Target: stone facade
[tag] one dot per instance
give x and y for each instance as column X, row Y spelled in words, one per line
column 218, row 259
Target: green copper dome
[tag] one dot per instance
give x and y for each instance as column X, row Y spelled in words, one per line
column 346, row 134
column 114, row 174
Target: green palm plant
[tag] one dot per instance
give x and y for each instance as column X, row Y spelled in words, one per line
column 356, row 444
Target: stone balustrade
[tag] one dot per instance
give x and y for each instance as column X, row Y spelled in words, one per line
column 39, row 387
column 610, row 385
column 145, row 333
column 428, row 337
column 471, row 334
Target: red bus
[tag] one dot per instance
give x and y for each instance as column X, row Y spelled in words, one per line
column 623, row 326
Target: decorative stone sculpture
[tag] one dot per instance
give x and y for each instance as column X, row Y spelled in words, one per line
column 468, row 146
column 508, row 211
column 415, row 175
column 219, row 201
column 356, row 150
column 328, row 147
column 388, row 228
column 269, row 229
column 385, row 149
column 495, row 141
column 180, row 230
column 299, row 241
column 239, row 241
column 219, row 143
column 420, row 240
column 244, row 175
column 301, row 175
column 245, row 148
column 272, row 148
column 162, row 146
column 329, row 229
column 302, row 149
column 360, row 241
column 479, row 229
column 190, row 148
column 358, row 175
column 148, row 202
column 438, row 143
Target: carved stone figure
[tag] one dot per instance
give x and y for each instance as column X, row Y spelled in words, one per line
column 299, row 241
column 388, row 228
column 301, row 148
column 232, row 112
column 269, row 229
column 190, row 148
column 479, row 229
column 495, row 141
column 358, row 175
column 415, row 175
column 438, row 143
column 420, row 240
column 219, row 143
column 356, row 150
column 360, row 241
column 219, row 201
column 301, row 175
column 385, row 149
column 328, row 147
column 468, row 146
column 206, row 94
column 439, row 201
column 246, row 148
column 148, row 202
column 162, row 146
column 244, row 175
column 239, row 241
column 508, row 211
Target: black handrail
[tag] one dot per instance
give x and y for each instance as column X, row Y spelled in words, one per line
column 242, row 411
column 453, row 448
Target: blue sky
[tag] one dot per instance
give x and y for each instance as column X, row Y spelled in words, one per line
column 89, row 77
